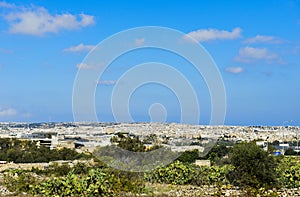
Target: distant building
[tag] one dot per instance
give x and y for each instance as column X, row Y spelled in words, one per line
column 203, row 162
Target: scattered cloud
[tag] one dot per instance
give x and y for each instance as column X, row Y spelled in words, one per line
column 106, row 82
column 38, row 21
column 250, row 54
column 7, row 112
column 91, row 66
column 204, row 35
column 3, row 4
column 263, row 39
column 79, row 48
column 83, row 66
column 235, row 70
column 139, row 41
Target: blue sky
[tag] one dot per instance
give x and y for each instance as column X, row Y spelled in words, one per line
column 255, row 44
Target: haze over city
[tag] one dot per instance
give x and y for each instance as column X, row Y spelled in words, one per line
column 255, row 45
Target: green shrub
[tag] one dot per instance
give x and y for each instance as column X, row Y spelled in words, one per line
column 213, row 175
column 289, row 172
column 189, row 156
column 176, row 173
column 179, row 173
column 81, row 168
column 290, row 151
column 128, row 181
column 18, row 180
column 254, row 167
column 95, row 183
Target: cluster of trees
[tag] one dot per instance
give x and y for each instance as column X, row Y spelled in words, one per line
column 134, row 143
column 25, row 151
column 129, row 143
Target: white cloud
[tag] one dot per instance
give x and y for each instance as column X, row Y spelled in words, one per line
column 203, row 35
column 84, row 66
column 139, row 41
column 106, row 82
column 235, row 70
column 249, row 54
column 79, row 48
column 8, row 112
column 38, row 21
column 263, row 39
column 3, row 4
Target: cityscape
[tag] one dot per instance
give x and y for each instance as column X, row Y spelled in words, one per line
column 87, row 136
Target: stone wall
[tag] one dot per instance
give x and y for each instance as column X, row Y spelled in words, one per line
column 24, row 166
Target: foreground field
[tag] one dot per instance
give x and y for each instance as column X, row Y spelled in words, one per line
column 243, row 169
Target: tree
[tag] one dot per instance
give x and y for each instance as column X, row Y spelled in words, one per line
column 189, row 156
column 290, row 151
column 253, row 166
column 132, row 144
column 217, row 152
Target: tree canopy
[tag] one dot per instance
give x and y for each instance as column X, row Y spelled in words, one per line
column 253, row 166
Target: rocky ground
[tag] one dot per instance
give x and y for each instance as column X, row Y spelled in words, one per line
column 4, row 191
column 164, row 190
column 206, row 191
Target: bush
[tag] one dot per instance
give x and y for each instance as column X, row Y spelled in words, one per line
column 253, row 166
column 54, row 169
column 179, row 173
column 189, row 156
column 290, row 151
column 96, row 183
column 18, row 181
column 214, row 175
column 217, row 152
column 81, row 168
column 128, row 181
column 132, row 144
column 289, row 172
column 176, row 173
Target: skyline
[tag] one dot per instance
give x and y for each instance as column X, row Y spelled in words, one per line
column 255, row 45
